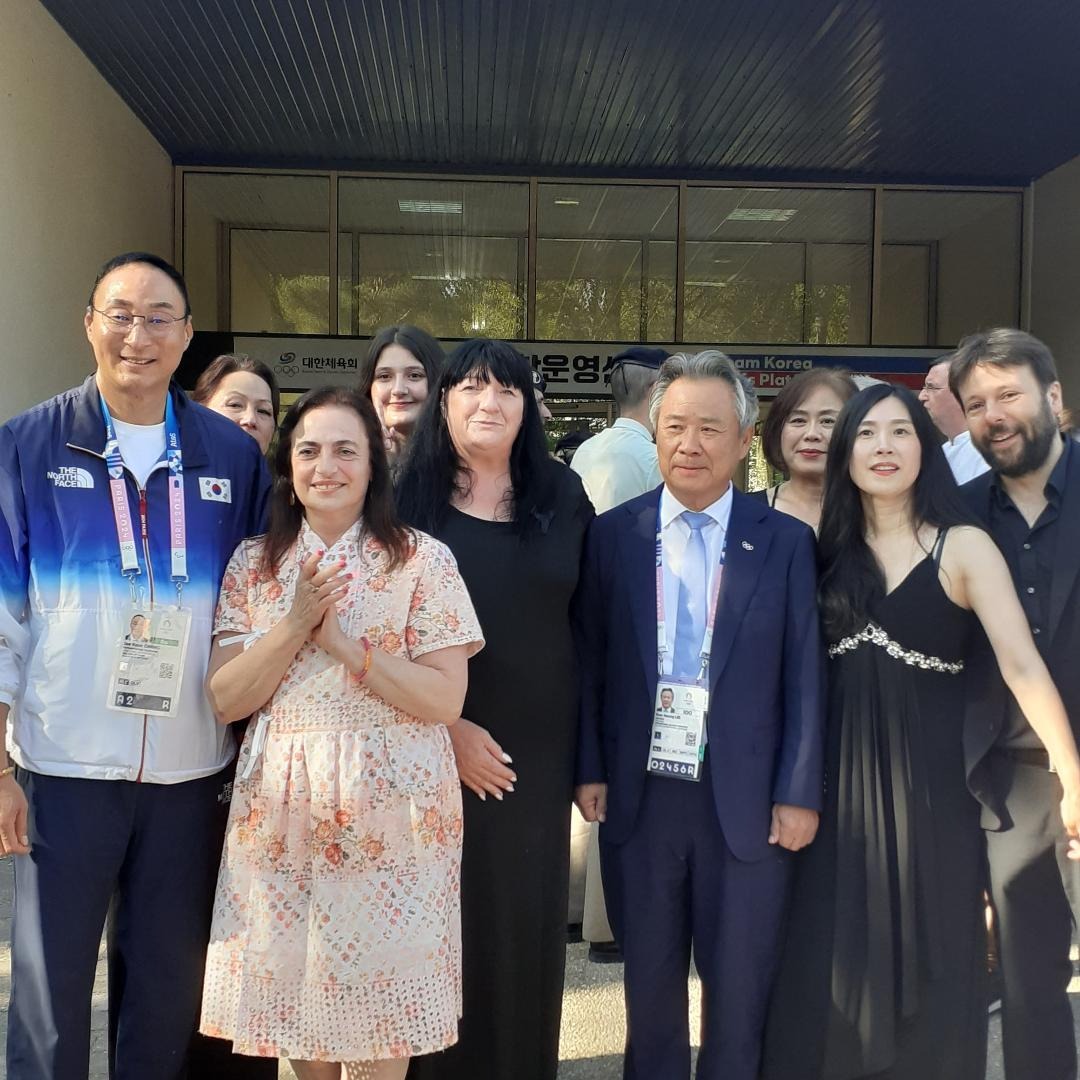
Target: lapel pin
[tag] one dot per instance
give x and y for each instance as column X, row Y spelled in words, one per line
column 747, row 546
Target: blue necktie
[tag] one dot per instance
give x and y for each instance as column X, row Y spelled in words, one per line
column 693, row 600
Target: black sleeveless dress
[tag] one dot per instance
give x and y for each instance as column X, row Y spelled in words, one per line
column 883, row 972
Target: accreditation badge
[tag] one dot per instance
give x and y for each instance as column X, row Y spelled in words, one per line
column 148, row 661
column 677, row 742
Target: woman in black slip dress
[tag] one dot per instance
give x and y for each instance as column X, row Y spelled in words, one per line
column 795, row 439
column 882, row 973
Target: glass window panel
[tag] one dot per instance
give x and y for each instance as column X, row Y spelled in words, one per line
column 278, row 281
column 605, row 262
column 744, row 292
column 972, row 269
column 837, row 293
column 905, row 281
column 257, row 253
column 779, row 265
column 447, row 255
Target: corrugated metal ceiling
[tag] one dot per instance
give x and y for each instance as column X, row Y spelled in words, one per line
column 927, row 91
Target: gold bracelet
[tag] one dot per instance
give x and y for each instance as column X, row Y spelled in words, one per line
column 7, row 772
column 360, row 675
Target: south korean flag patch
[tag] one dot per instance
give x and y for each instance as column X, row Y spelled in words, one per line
column 215, row 490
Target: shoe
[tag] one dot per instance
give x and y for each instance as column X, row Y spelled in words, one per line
column 605, row 952
column 573, row 933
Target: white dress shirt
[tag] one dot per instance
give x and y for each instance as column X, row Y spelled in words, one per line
column 618, row 464
column 674, row 534
column 965, row 461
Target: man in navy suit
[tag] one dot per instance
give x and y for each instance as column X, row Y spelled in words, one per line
column 716, row 592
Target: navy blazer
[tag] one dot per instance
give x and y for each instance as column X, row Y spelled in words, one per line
column 766, row 720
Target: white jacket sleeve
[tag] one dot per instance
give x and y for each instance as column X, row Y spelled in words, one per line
column 14, row 570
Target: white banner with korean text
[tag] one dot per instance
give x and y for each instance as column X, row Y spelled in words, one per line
column 583, row 369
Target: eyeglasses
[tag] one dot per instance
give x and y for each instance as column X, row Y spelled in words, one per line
column 930, row 388
column 121, row 322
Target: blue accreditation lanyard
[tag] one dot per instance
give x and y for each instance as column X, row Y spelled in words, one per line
column 125, row 531
column 661, row 627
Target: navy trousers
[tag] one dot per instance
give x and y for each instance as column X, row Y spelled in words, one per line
column 672, row 887
column 151, row 846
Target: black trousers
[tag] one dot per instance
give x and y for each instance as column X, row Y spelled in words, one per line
column 151, row 847
column 1031, row 882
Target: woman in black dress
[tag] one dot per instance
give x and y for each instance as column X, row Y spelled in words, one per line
column 480, row 479
column 886, row 952
column 795, row 438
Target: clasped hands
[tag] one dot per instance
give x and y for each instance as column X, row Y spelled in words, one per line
column 314, row 606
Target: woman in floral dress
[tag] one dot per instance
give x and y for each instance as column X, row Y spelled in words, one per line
column 336, row 935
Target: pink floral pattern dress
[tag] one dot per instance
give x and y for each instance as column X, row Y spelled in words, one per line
column 336, row 931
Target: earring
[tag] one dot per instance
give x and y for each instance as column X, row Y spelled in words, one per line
column 292, row 497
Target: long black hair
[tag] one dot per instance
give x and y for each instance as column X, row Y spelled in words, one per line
column 379, row 513
column 412, row 338
column 851, row 580
column 434, row 472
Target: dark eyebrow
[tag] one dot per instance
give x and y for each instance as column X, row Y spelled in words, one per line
column 156, row 304
column 340, row 442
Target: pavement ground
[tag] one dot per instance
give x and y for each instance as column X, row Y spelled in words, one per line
column 593, row 1027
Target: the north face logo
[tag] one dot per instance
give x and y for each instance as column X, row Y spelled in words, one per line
column 68, row 476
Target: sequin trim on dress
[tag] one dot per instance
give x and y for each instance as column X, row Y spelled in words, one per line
column 876, row 636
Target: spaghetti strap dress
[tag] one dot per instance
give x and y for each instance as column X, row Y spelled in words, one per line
column 883, row 971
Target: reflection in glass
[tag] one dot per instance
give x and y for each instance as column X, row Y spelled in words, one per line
column 448, row 255
column 778, row 265
column 605, row 262
column 256, row 252
column 951, row 265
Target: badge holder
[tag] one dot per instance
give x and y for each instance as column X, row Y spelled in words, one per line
column 681, row 710
column 677, row 744
column 150, row 648
column 148, row 660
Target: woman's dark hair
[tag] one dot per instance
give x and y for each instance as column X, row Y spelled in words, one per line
column 286, row 514
column 434, row 472
column 156, row 261
column 418, row 342
column 227, row 364
column 851, row 580
column 790, row 398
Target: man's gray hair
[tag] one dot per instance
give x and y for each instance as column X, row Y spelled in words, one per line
column 710, row 364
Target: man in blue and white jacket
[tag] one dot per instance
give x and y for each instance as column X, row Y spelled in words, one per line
column 100, row 802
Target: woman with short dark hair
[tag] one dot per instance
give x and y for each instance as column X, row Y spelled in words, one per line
column 244, row 390
column 883, row 973
column 479, row 478
column 795, row 438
